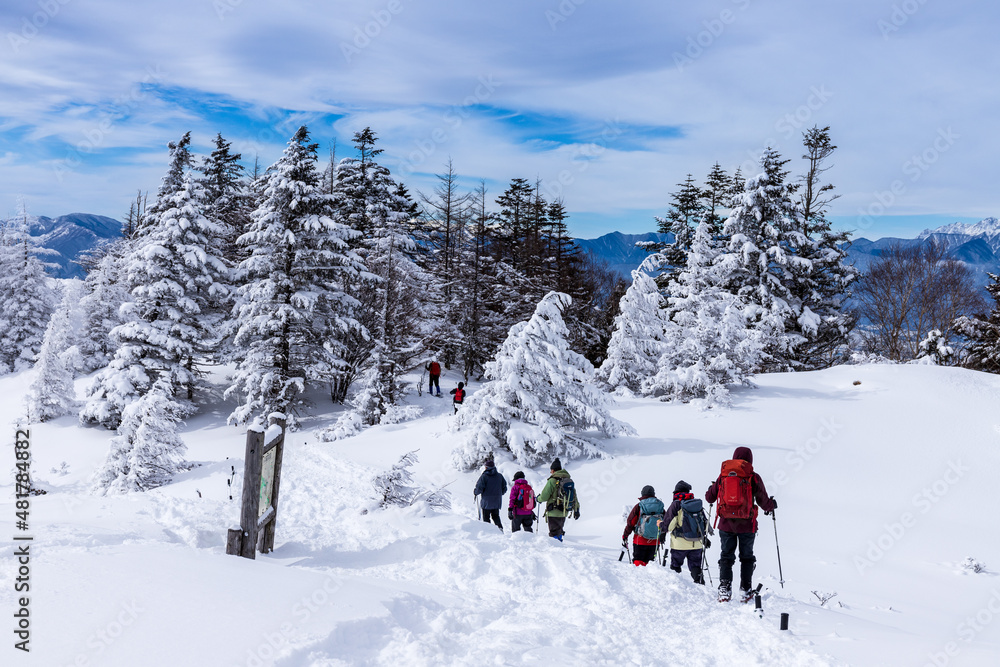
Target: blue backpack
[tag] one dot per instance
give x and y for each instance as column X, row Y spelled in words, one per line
column 650, row 516
column 694, row 523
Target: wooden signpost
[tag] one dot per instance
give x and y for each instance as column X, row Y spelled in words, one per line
column 261, row 479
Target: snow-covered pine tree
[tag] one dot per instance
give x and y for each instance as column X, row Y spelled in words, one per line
column 147, row 452
column 26, row 298
column 638, row 338
column 821, row 282
column 538, row 396
column 983, row 332
column 686, row 210
column 176, row 275
column 934, row 349
column 52, row 393
column 480, row 293
column 228, row 201
column 104, row 292
column 714, row 338
column 765, row 236
column 293, row 300
column 390, row 301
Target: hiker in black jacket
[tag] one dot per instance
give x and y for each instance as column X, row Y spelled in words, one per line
column 490, row 488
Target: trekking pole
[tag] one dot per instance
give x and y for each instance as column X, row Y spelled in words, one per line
column 624, row 550
column 781, row 576
column 479, row 510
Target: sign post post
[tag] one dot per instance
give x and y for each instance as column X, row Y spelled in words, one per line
column 261, row 479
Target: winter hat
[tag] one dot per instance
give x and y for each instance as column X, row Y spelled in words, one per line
column 461, row 385
column 648, row 491
column 489, row 461
column 556, row 465
column 682, row 487
column 743, row 454
column 519, row 475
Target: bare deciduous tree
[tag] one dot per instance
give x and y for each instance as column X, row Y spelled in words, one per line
column 909, row 291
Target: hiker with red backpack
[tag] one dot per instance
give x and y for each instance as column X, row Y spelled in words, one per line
column 646, row 521
column 689, row 531
column 559, row 496
column 739, row 491
column 434, row 370
column 458, row 396
column 521, row 508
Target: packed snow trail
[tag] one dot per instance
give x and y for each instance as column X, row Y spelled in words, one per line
column 473, row 594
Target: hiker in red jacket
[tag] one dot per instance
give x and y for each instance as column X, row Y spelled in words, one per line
column 458, row 396
column 645, row 520
column 739, row 490
column 434, row 368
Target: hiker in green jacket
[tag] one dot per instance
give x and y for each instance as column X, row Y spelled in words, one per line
column 559, row 496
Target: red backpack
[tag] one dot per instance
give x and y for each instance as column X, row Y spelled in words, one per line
column 459, row 395
column 435, row 368
column 735, row 491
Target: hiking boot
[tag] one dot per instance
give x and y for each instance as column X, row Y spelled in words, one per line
column 675, row 569
column 725, row 591
column 698, row 576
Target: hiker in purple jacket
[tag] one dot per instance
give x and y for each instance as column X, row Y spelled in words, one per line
column 521, row 494
column 740, row 533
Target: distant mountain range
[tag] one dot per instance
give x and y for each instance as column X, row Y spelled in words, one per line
column 619, row 250
column 978, row 245
column 69, row 236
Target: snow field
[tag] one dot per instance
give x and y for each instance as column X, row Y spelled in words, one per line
column 881, row 489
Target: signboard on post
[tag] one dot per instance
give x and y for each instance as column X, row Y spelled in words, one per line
column 261, row 480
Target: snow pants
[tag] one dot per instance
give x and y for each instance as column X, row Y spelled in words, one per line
column 729, row 543
column 435, row 381
column 494, row 515
column 556, row 525
column 643, row 553
column 522, row 520
column 694, row 561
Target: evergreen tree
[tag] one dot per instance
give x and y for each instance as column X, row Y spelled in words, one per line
column 684, row 214
column 638, row 338
column 52, row 393
column 104, row 292
column 175, row 275
column 481, row 295
column 293, row 301
column 538, row 397
column 716, row 197
column 934, row 348
column 714, row 338
column 26, row 299
column 983, row 333
column 228, row 202
column 821, row 279
column 147, row 452
column 390, row 308
column 765, row 238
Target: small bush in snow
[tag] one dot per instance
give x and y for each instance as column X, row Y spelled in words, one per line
column 972, row 565
column 395, row 486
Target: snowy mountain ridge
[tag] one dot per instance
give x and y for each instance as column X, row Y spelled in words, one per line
column 71, row 235
column 987, row 228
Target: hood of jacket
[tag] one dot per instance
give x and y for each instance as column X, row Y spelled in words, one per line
column 743, row 454
column 559, row 474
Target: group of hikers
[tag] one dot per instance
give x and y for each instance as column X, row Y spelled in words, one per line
column 433, row 369
column 738, row 492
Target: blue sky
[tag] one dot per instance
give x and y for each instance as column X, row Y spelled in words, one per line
column 608, row 105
